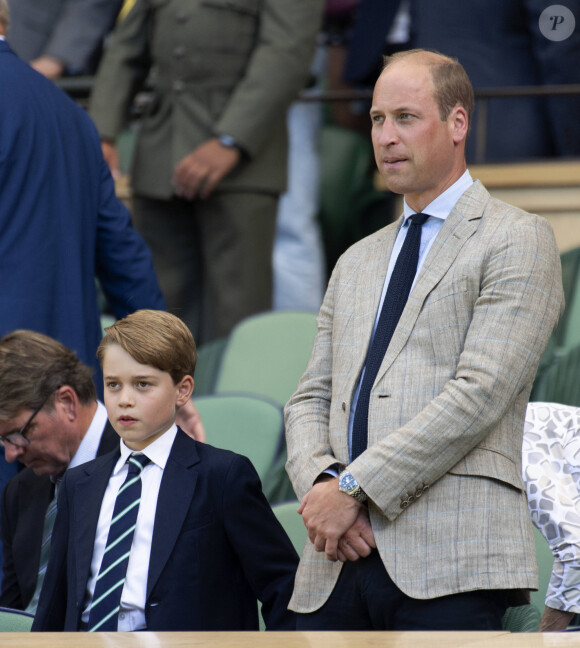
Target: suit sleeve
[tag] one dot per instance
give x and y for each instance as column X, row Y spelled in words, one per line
column 267, row 556
column 122, row 71
column 11, row 595
column 124, row 265
column 278, row 69
column 80, row 31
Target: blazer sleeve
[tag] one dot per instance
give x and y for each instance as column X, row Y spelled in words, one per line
column 10, row 596
column 122, row 71
column 265, row 552
column 124, row 265
column 277, row 70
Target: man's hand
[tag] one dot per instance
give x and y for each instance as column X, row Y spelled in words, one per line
column 199, row 173
column 111, row 156
column 190, row 422
column 555, row 620
column 328, row 514
column 359, row 540
column 49, row 66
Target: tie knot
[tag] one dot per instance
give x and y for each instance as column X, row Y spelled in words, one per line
column 418, row 219
column 136, row 463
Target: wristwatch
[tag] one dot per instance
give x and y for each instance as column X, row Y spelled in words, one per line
column 228, row 141
column 349, row 485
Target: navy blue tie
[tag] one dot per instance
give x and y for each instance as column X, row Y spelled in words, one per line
column 398, row 291
column 106, row 601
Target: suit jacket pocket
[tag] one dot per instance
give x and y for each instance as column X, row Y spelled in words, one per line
column 484, row 462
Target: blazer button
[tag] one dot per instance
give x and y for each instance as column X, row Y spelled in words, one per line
column 181, row 16
column 343, row 406
column 178, row 86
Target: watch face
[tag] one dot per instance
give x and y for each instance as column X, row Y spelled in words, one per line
column 348, row 482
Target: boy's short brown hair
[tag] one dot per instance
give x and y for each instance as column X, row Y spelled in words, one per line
column 154, row 338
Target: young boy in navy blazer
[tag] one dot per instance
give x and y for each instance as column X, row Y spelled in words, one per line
column 205, row 545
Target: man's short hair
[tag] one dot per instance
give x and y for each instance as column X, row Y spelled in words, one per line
column 33, row 366
column 155, row 338
column 452, row 85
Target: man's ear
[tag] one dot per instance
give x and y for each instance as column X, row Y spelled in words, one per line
column 184, row 390
column 67, row 401
column 459, row 123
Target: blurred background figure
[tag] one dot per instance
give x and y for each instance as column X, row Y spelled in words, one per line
column 211, row 152
column 61, row 37
column 61, row 224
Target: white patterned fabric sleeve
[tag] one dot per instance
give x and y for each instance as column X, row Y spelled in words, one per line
column 551, row 472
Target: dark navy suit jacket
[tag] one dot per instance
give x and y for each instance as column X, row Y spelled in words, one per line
column 60, row 221
column 24, row 502
column 216, row 548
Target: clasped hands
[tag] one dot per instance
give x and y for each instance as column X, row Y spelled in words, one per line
column 337, row 524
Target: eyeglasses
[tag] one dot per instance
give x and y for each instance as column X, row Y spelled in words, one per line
column 19, row 439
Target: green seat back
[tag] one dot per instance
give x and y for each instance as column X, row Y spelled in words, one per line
column 292, row 523
column 266, row 355
column 545, row 560
column 15, row 620
column 244, row 424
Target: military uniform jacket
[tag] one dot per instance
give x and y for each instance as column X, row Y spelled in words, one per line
column 217, row 67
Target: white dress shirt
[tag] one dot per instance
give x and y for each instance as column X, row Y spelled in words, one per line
column 132, row 612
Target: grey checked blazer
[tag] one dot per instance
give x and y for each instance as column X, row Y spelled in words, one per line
column 443, row 466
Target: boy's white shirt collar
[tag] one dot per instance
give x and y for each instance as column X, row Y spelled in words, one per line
column 157, row 452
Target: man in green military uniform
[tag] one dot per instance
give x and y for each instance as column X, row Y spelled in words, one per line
column 210, row 156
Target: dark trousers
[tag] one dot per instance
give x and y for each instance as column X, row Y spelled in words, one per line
column 213, row 257
column 365, row 598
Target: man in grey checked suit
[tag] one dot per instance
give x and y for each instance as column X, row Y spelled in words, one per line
column 428, row 528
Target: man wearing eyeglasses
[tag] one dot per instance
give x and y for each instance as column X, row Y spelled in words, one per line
column 50, row 420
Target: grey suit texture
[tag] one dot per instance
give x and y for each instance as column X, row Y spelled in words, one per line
column 442, row 469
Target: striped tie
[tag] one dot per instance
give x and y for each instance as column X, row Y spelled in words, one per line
column 109, row 586
column 49, row 518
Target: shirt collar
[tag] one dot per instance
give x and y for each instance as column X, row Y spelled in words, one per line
column 89, row 445
column 442, row 205
column 158, row 451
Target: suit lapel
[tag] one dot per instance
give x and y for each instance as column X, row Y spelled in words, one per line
column 458, row 227
column 88, row 495
column 374, row 266
column 175, row 495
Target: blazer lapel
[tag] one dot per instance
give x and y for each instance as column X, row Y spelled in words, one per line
column 367, row 300
column 458, row 227
column 88, row 495
column 175, row 495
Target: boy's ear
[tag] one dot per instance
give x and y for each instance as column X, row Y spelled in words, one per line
column 184, row 390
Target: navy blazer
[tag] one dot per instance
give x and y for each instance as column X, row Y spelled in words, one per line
column 217, row 546
column 24, row 502
column 60, row 221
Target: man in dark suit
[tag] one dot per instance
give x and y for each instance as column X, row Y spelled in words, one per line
column 50, row 420
column 60, row 221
